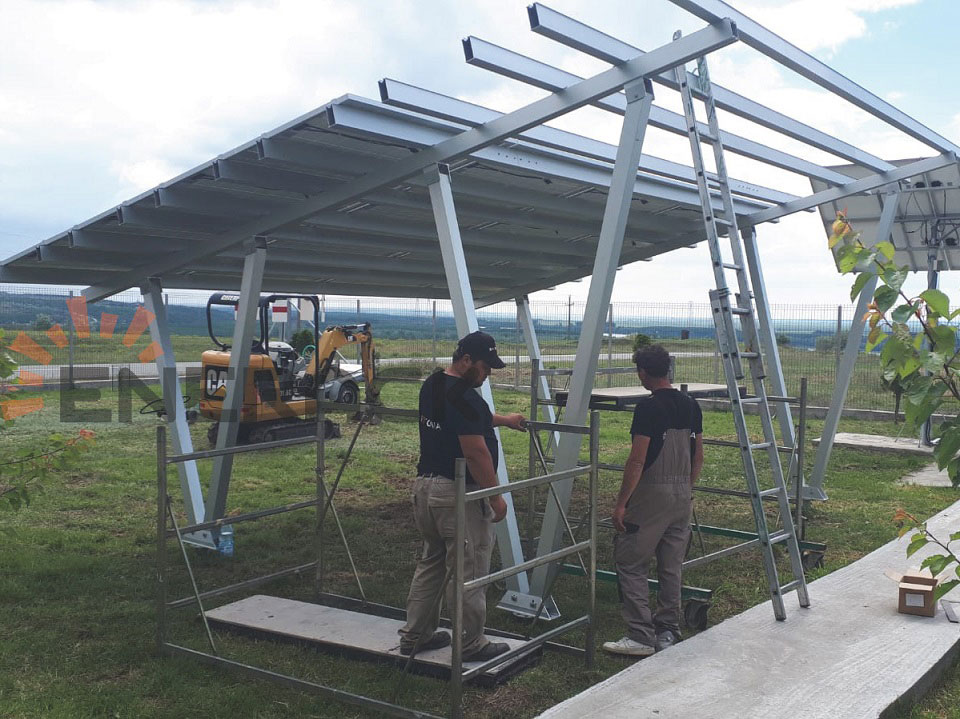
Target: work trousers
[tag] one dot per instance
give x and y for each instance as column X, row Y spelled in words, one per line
column 434, row 511
column 662, row 530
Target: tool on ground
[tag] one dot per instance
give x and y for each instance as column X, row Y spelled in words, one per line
column 282, row 385
column 726, row 305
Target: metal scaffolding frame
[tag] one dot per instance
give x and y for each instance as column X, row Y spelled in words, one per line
column 353, row 197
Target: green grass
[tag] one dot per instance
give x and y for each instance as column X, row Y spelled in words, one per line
column 77, row 571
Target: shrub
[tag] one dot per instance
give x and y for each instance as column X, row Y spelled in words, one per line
column 641, row 340
column 42, row 322
column 300, row 339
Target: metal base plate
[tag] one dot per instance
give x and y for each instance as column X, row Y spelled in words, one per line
column 526, row 605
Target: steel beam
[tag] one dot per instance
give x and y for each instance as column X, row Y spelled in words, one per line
column 856, row 187
column 399, row 94
column 465, row 314
column 616, row 213
column 814, row 488
column 533, row 72
column 176, row 414
column 578, row 95
column 775, row 47
column 572, row 33
column 243, row 331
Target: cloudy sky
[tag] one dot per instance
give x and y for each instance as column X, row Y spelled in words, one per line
column 102, row 100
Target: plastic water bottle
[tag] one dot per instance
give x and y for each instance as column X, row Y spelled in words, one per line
column 225, row 544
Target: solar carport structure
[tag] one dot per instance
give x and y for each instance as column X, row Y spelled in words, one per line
column 424, row 195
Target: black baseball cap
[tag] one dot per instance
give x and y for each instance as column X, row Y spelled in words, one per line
column 481, row 346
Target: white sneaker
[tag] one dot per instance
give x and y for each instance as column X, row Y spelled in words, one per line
column 627, row 646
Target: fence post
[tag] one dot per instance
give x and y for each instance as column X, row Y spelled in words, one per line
column 837, row 348
column 569, row 307
column 323, row 312
column 70, row 342
column 434, row 333
column 609, row 343
column 359, row 357
column 516, row 351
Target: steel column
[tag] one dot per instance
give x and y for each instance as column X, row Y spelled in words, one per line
column 850, row 353
column 176, row 414
column 639, row 100
column 768, row 341
column 243, row 331
column 465, row 314
column 525, row 318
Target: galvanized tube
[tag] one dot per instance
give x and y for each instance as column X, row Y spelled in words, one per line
column 161, row 535
column 531, row 463
column 456, row 650
column 526, row 483
column 690, row 564
column 193, row 581
column 303, row 685
column 801, row 439
column 245, row 584
column 239, row 449
column 529, row 564
column 558, row 427
column 590, row 641
column 320, row 469
column 247, row 516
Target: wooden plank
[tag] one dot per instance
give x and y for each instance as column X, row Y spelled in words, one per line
column 342, row 630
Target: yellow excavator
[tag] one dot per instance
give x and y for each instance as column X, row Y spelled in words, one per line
column 282, row 385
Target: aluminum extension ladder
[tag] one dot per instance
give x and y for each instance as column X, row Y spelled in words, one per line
column 725, row 307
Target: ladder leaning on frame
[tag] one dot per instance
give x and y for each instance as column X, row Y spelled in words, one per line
column 724, row 311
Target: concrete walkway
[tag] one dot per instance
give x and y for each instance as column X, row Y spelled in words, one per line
column 850, row 655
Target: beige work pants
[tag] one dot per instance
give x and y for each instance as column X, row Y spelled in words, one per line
column 434, row 512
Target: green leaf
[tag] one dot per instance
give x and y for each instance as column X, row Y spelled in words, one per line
column 875, row 338
column 902, row 313
column 886, row 249
column 932, row 362
column 895, row 277
column 918, row 542
column 945, row 338
column 917, row 388
column 947, row 448
column 955, row 536
column 936, row 563
column 943, row 588
column 885, row 297
column 862, row 279
column 938, row 301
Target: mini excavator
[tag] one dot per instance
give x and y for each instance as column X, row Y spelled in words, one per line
column 282, row 385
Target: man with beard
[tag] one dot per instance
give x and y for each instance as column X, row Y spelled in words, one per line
column 456, row 422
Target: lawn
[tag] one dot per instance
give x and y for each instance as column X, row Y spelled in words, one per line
column 77, row 570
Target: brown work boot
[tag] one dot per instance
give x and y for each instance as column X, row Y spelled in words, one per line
column 439, row 640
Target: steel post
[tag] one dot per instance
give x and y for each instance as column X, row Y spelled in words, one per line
column 609, row 245
column 465, row 314
column 176, row 413
column 236, row 377
column 814, row 488
column 525, row 320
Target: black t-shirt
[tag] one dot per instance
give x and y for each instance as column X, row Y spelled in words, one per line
column 665, row 409
column 450, row 408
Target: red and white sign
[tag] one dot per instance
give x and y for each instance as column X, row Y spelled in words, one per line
column 278, row 311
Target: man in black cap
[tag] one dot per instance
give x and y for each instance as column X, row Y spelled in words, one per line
column 456, row 422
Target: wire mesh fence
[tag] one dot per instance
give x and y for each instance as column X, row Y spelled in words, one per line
column 421, row 333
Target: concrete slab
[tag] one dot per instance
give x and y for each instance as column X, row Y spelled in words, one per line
column 851, row 655
column 929, row 476
column 345, row 631
column 879, row 443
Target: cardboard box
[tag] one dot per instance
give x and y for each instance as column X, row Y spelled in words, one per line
column 916, row 593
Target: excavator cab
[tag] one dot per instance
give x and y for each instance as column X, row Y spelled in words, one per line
column 282, row 385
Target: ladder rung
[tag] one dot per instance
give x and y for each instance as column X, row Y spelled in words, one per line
column 751, row 400
column 725, row 223
column 762, row 445
column 770, row 492
column 731, row 266
column 750, row 355
column 740, row 310
column 790, row 586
